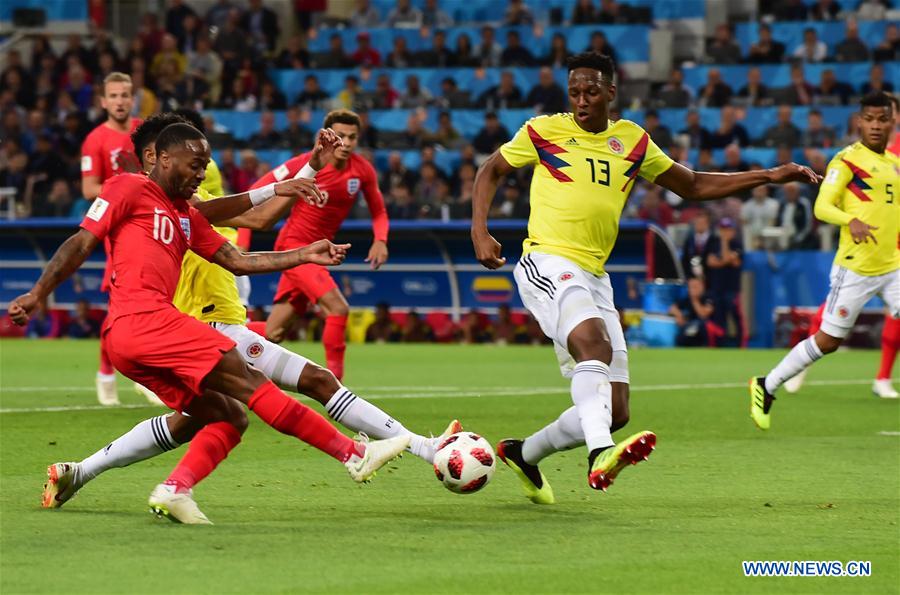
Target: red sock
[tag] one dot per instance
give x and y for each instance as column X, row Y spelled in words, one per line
column 816, row 321
column 335, row 344
column 106, row 366
column 296, row 419
column 208, row 448
column 258, row 327
column 890, row 344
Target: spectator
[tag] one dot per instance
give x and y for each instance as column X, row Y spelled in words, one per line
column 386, row 96
column 365, row 16
column 262, row 25
column 505, row 330
column 187, row 40
column 511, row 204
column 206, row 65
column 426, row 191
column 546, row 97
column 871, row 10
column 439, row 56
column 691, row 314
column 790, row 10
column 724, row 260
column 347, row 98
column 175, row 17
column 505, row 95
column 40, row 50
column 365, row 54
column 824, row 10
column 831, row 91
column 766, row 50
column 44, row 166
column 474, row 329
column 401, row 204
column 239, row 98
column 559, row 52
column 43, row 324
column 852, row 48
column 312, row 97
column 294, row 55
column 415, row 95
column 889, row 49
column 82, row 325
column 169, row 55
column 231, row 43
column 876, row 81
column 399, row 56
column 698, row 136
column 693, row 253
column 675, row 93
column 78, row 88
column 812, row 49
column 654, row 209
column 584, row 12
column 851, row 132
column 217, row 15
column 783, row 132
column 267, row 136
column 515, row 54
column 383, row 329
column 613, row 13
column 757, row 214
column 145, row 101
column 600, row 45
column 397, row 174
column 451, row 97
column 795, row 219
column 465, row 53
column 149, row 32
column 405, row 16
column 755, row 92
column 335, row 57
column 799, row 92
column 518, row 14
column 58, row 202
column 723, row 49
column 296, row 136
column 413, row 136
column 270, row 98
column 488, row 51
column 715, row 93
column 491, row 136
column 733, row 160
column 446, row 135
column 246, row 175
column 729, row 131
column 415, row 330
column 660, row 134
column 368, row 133
column 816, row 133
column 434, row 17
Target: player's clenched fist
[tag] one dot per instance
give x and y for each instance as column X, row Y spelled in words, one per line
column 793, row 172
column 487, row 251
column 302, row 188
column 325, row 253
column 21, row 307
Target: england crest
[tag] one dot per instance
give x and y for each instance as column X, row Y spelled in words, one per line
column 352, row 186
column 186, row 227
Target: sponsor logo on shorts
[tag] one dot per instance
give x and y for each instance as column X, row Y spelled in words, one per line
column 565, row 276
column 255, row 350
column 843, row 312
column 615, row 145
column 352, row 186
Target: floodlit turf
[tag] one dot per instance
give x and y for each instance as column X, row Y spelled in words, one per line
column 823, row 484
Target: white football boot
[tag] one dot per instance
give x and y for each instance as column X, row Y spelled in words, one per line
column 178, row 507
column 148, row 394
column 62, row 484
column 883, row 388
column 107, row 393
column 378, row 453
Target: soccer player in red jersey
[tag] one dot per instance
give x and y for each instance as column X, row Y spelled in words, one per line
column 188, row 364
column 340, row 182
column 108, row 151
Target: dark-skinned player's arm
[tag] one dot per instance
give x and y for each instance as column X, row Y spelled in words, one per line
column 255, row 204
column 66, row 261
column 321, row 252
column 487, row 248
column 695, row 185
column 378, row 252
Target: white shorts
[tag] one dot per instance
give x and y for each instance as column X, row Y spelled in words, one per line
column 281, row 366
column 545, row 282
column 849, row 293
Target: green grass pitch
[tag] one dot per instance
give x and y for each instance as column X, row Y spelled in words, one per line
column 823, row 484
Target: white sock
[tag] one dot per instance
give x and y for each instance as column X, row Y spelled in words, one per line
column 564, row 433
column 145, row 440
column 801, row 357
column 592, row 395
column 359, row 415
column 106, row 377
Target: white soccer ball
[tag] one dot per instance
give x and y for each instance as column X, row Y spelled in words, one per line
column 464, row 463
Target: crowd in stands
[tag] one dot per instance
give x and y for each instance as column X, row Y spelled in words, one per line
column 228, row 59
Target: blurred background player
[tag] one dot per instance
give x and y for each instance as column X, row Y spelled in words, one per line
column 584, row 169
column 106, row 152
column 859, row 193
column 341, row 180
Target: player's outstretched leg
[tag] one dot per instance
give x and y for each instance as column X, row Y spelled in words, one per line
column 795, row 383
column 608, row 464
column 534, row 484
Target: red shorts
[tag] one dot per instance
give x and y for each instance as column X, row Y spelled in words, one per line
column 167, row 351
column 304, row 284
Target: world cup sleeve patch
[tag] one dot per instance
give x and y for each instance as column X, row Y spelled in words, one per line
column 87, row 164
column 98, row 208
column 280, row 172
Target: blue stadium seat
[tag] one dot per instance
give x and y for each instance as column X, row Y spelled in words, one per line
column 56, row 10
column 779, row 75
column 791, row 33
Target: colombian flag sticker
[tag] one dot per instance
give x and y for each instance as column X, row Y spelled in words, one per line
column 496, row 288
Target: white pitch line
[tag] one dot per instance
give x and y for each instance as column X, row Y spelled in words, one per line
column 889, row 433
column 435, row 392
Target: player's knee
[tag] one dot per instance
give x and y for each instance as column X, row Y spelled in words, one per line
column 826, row 343
column 318, row 382
column 591, row 348
column 275, row 334
column 183, row 428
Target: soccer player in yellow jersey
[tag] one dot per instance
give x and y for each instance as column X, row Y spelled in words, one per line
column 584, row 168
column 209, row 293
column 860, row 194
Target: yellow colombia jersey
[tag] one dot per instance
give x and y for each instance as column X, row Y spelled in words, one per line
column 580, row 184
column 205, row 290
column 212, row 183
column 862, row 184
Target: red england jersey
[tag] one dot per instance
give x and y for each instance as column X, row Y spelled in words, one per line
column 148, row 234
column 308, row 223
column 107, row 152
